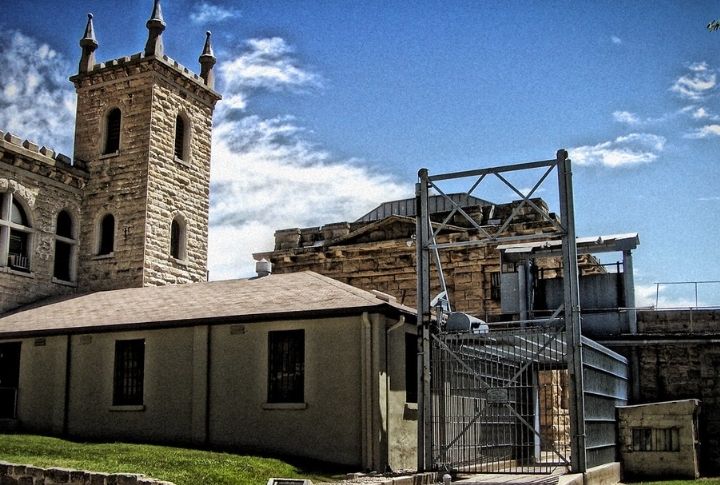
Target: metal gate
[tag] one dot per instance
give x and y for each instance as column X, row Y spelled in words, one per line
column 500, row 400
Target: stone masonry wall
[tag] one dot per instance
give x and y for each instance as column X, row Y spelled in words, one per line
column 380, row 258
column 12, row 474
column 118, row 181
column 178, row 188
column 45, row 184
column 142, row 185
column 687, row 368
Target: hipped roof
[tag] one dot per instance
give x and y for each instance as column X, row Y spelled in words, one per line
column 282, row 296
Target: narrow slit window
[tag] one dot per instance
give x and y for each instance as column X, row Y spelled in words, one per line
column 112, row 133
column 177, row 239
column 64, row 247
column 179, row 138
column 106, row 243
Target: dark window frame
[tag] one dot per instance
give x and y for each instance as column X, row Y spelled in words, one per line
column 113, row 123
column 129, row 373
column 106, row 236
column 286, row 366
column 180, row 134
column 64, row 247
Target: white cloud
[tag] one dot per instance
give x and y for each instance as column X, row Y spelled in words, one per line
column 715, row 198
column 37, row 101
column 700, row 113
column 697, row 83
column 266, row 63
column 615, row 39
column 205, row 12
column 632, row 149
column 704, row 132
column 268, row 174
column 626, row 117
column 663, row 297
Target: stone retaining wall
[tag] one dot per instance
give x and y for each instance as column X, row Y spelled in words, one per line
column 12, row 474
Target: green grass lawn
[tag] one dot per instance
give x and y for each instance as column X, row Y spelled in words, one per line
column 179, row 465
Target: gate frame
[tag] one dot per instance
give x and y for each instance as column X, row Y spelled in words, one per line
column 427, row 248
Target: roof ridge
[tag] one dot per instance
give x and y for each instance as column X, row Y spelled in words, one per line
column 359, row 292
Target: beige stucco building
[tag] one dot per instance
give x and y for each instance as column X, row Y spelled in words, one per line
column 295, row 364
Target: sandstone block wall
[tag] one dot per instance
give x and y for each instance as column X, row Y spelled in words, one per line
column 12, row 474
column 679, row 321
column 45, row 183
column 381, row 255
column 143, row 185
column 676, row 419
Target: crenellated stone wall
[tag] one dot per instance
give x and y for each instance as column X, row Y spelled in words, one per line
column 142, row 184
column 44, row 183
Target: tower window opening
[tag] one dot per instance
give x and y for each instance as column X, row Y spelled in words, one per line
column 180, row 138
column 177, row 239
column 65, row 245
column 106, row 240
column 112, row 131
column 15, row 234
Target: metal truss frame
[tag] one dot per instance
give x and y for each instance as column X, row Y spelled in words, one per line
column 428, row 249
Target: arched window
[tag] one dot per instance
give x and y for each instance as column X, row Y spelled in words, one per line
column 65, row 244
column 112, row 131
column 177, row 239
column 180, row 138
column 15, row 233
column 106, row 235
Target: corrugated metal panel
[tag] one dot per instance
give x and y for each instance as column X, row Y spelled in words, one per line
column 406, row 207
column 605, row 375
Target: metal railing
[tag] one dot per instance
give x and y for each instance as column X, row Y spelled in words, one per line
column 694, row 284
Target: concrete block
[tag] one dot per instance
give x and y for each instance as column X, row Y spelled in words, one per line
column 608, row 474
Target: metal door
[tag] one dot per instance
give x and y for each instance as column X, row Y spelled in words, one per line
column 9, row 379
column 499, row 401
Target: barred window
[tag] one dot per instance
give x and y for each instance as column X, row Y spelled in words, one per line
column 495, row 285
column 129, row 372
column 286, row 366
column 655, row 439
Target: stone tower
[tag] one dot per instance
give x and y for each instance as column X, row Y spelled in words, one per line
column 143, row 129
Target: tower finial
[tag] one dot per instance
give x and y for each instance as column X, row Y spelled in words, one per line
column 155, row 26
column 88, row 45
column 207, row 61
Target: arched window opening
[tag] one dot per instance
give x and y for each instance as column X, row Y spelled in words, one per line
column 106, row 241
column 180, row 138
column 64, row 248
column 177, row 239
column 15, row 234
column 112, row 131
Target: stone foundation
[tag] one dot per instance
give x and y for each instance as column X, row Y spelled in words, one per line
column 12, row 474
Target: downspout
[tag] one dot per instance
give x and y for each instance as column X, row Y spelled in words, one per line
column 208, row 361
column 366, row 398
column 66, row 403
column 400, row 323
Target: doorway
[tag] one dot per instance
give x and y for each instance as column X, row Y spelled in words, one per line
column 9, row 379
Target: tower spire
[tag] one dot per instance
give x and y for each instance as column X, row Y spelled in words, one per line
column 155, row 26
column 207, row 61
column 88, row 45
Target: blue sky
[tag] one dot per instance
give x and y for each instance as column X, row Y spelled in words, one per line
column 331, row 107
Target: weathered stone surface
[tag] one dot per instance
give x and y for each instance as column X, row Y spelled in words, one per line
column 143, row 185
